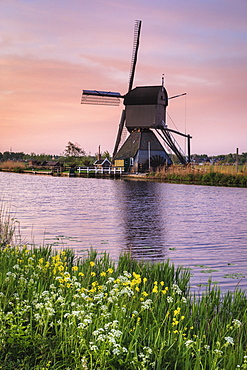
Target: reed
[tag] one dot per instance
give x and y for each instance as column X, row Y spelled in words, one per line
column 8, row 226
column 12, row 166
column 205, row 175
column 62, row 312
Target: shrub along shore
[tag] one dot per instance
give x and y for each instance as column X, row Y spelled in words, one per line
column 58, row 311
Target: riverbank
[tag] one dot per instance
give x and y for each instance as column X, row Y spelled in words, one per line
column 213, row 175
column 61, row 312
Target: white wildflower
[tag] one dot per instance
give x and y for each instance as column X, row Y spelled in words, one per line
column 169, row 299
column 93, row 347
column 37, row 316
column 116, row 351
column 127, row 274
column 176, row 289
column 229, row 340
column 87, row 321
column 146, row 304
column 148, row 350
column 218, row 351
column 189, row 342
column 126, row 290
column 236, row 323
column 110, row 280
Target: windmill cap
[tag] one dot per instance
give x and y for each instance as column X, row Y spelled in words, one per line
column 146, row 95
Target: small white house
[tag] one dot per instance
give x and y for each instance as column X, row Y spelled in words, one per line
column 102, row 163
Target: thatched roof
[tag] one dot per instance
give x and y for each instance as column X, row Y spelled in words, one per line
column 139, row 141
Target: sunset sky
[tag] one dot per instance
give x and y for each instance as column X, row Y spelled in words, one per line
column 52, row 49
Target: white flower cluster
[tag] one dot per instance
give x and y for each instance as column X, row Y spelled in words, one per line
column 108, row 335
column 176, row 289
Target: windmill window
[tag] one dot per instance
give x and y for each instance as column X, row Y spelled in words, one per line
column 131, row 161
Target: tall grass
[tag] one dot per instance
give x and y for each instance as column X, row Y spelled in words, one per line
column 207, row 174
column 12, row 166
column 61, row 312
column 8, row 226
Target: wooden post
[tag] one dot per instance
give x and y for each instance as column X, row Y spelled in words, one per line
column 237, row 160
column 189, row 159
column 149, row 155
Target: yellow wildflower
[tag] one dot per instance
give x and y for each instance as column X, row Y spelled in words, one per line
column 92, row 264
column 155, row 289
column 145, row 294
column 177, row 311
column 75, row 268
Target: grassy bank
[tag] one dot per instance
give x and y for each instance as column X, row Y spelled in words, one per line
column 61, row 312
column 205, row 175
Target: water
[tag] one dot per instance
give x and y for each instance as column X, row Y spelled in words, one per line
column 201, row 227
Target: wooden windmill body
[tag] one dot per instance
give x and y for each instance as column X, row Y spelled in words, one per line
column 144, row 119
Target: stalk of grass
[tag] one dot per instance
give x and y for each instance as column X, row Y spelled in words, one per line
column 8, row 226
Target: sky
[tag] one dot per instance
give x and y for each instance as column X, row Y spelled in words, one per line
column 50, row 50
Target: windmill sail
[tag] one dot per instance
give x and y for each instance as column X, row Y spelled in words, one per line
column 135, row 52
column 100, row 97
column 136, row 42
column 119, row 134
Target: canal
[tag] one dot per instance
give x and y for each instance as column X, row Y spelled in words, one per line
column 200, row 227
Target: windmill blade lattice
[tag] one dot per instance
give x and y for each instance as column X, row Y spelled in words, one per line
column 135, row 52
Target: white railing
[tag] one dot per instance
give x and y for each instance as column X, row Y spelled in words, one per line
column 109, row 171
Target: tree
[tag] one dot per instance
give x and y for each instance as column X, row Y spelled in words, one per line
column 106, row 154
column 73, row 150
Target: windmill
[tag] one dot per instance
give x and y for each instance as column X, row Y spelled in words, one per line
column 144, row 120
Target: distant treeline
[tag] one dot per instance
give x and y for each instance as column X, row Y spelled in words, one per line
column 84, row 159
column 222, row 158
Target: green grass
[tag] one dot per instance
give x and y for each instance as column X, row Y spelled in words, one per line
column 61, row 312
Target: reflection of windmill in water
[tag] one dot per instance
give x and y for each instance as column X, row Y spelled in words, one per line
column 144, row 114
